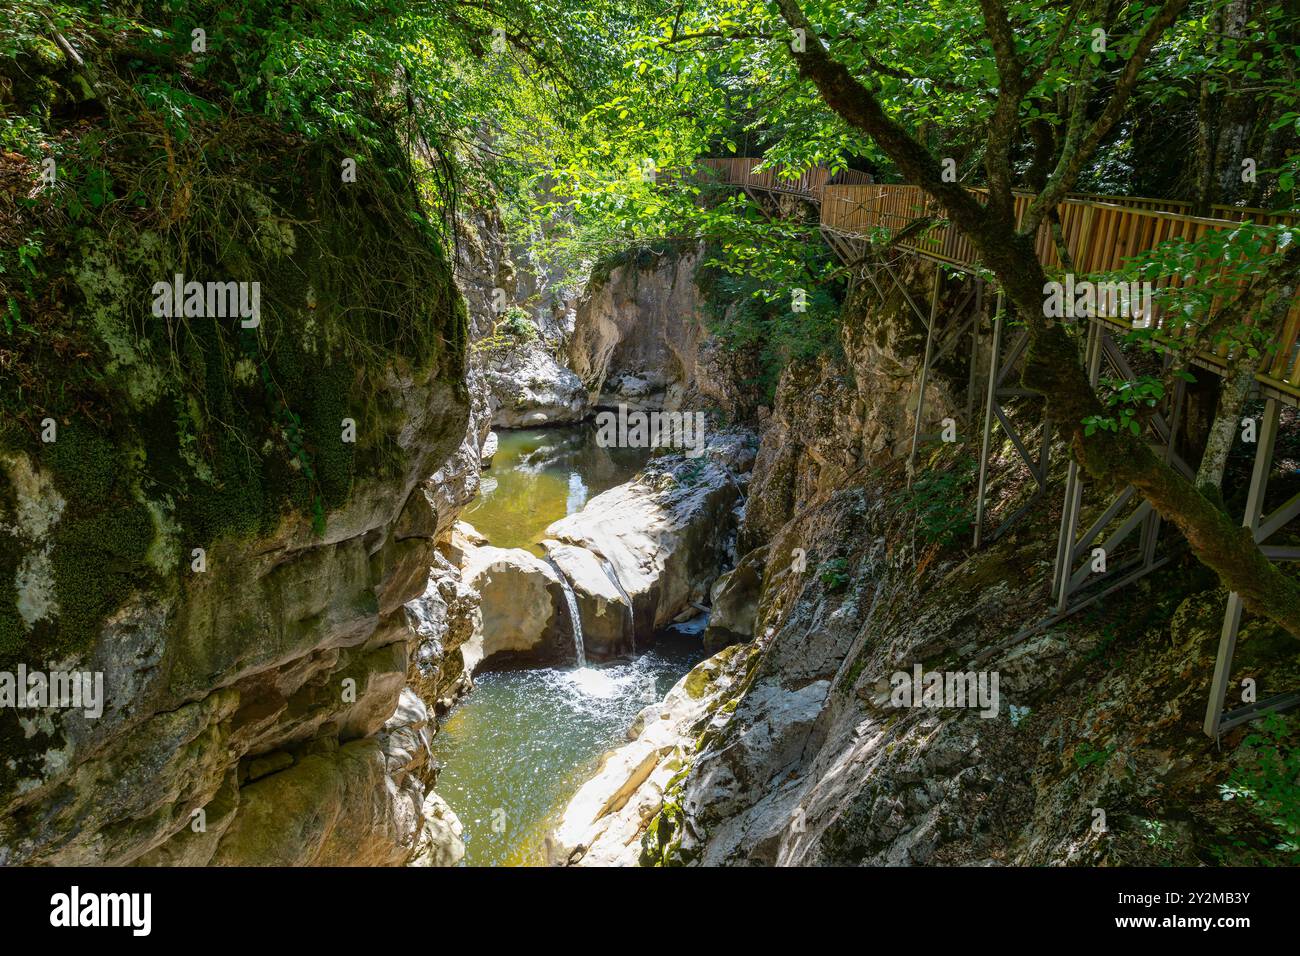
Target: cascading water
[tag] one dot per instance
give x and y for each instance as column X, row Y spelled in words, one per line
column 631, row 610
column 527, row 738
column 572, row 600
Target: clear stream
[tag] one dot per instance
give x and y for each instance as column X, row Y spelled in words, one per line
column 516, row 750
column 542, row 474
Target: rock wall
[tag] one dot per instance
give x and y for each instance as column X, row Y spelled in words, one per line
column 788, row 748
column 251, row 713
column 443, row 617
column 514, row 373
column 640, row 338
column 527, row 387
column 643, row 554
column 235, row 524
column 636, row 558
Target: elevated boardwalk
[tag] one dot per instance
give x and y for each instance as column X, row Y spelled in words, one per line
column 1100, row 233
column 859, row 219
column 807, row 184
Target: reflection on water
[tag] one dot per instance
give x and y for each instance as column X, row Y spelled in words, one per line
column 540, row 475
column 514, row 752
column 517, row 749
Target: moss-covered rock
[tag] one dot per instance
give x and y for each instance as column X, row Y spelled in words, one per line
column 204, row 512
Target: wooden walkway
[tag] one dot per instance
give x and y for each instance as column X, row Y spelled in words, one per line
column 808, row 184
column 1100, row 232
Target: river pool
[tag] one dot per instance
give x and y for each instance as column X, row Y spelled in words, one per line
column 518, row 747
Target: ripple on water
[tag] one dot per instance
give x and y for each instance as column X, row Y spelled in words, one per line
column 521, row 744
column 540, row 475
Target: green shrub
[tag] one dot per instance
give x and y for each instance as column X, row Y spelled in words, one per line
column 516, row 323
column 750, row 317
column 1270, row 781
column 940, row 502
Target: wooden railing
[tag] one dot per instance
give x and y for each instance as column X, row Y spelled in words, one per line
column 1260, row 217
column 808, row 183
column 1099, row 233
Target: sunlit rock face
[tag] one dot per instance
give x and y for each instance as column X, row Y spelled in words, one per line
column 640, row 339
column 646, row 552
column 522, row 613
column 603, row 823
column 802, row 755
column 527, row 387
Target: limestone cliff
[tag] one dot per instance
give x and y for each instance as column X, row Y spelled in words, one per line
column 641, row 338
column 222, row 514
column 789, row 749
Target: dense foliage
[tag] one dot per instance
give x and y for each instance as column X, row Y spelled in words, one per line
column 142, row 137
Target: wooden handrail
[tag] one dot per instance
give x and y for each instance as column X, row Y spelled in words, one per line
column 1099, row 235
column 1099, row 232
column 807, row 183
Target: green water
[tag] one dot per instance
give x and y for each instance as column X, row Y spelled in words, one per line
column 540, row 475
column 523, row 742
column 516, row 750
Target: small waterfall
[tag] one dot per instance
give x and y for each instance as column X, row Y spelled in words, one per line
column 576, row 618
column 610, row 573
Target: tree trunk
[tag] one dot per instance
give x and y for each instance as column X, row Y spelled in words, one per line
column 1224, row 122
column 1232, row 397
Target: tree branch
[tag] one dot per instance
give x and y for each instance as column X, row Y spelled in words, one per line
column 858, row 106
column 1052, row 365
column 1072, row 159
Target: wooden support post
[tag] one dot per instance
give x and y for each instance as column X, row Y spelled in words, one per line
column 990, row 398
column 1232, row 615
column 925, row 372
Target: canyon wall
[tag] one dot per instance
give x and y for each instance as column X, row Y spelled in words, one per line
column 787, row 748
column 233, row 522
column 641, row 339
column 252, row 671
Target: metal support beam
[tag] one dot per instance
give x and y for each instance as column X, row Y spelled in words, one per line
column 1233, row 614
column 1216, row 720
column 989, row 401
column 1065, row 546
column 925, row 371
column 1000, row 369
column 907, row 295
column 974, row 349
column 1067, row 581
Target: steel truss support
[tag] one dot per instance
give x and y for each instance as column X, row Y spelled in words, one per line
column 1217, row 721
column 1069, row 581
column 856, row 254
column 1000, row 369
column 848, row 250
column 964, row 316
column 926, row 363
